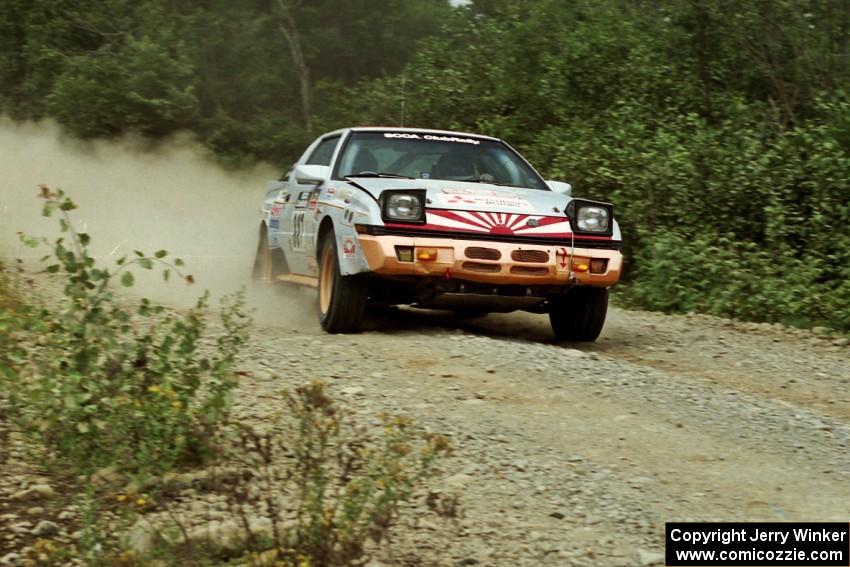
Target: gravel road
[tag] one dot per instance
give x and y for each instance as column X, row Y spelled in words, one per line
column 578, row 454
column 568, row 454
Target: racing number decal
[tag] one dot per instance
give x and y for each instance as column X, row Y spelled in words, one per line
column 298, row 231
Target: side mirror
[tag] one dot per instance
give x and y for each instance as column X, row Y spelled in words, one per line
column 311, row 174
column 560, row 187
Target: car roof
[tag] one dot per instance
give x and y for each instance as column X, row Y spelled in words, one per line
column 412, row 131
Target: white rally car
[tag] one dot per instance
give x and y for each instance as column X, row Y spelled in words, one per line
column 438, row 220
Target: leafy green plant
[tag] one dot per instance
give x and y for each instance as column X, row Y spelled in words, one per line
column 315, row 488
column 99, row 384
column 12, row 317
column 347, row 485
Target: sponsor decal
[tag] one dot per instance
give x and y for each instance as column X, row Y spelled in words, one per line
column 431, row 138
column 274, row 224
column 297, row 241
column 330, row 191
column 303, row 198
column 348, row 248
column 484, row 198
column 275, row 210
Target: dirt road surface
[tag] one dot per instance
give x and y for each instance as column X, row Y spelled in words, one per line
column 577, row 454
column 565, row 454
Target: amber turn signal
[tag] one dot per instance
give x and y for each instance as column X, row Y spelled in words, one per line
column 580, row 267
column 426, row 254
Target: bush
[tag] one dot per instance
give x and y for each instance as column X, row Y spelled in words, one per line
column 99, row 384
column 312, row 487
column 721, row 275
column 103, row 387
column 345, row 485
column 11, row 311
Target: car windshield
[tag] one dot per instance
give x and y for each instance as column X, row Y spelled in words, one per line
column 435, row 156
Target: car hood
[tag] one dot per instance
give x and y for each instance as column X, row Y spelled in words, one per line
column 466, row 196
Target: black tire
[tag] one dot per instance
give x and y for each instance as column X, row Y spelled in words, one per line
column 262, row 272
column 341, row 299
column 580, row 314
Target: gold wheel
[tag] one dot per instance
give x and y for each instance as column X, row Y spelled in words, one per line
column 326, row 279
column 342, row 299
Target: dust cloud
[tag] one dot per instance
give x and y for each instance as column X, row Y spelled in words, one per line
column 136, row 197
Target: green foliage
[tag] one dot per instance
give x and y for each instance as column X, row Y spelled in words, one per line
column 99, row 384
column 769, row 208
column 329, row 487
column 222, row 69
column 722, row 141
column 12, row 321
column 697, row 119
column 349, row 486
column 724, row 276
column 149, row 90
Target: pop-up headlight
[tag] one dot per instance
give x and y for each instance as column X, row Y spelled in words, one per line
column 591, row 217
column 403, row 206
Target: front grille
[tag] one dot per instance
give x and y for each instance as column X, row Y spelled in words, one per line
column 479, row 267
column 480, row 253
column 529, row 271
column 530, row 256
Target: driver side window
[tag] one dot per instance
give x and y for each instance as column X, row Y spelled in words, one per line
column 324, row 152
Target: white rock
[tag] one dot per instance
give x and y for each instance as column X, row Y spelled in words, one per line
column 10, row 559
column 35, row 492
column 573, row 352
column 458, row 480
column 107, row 476
column 45, row 528
column 647, row 558
column 141, row 537
column 229, row 534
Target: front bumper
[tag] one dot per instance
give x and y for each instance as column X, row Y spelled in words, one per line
column 493, row 262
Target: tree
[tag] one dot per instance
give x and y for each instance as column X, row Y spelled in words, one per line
column 293, row 39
